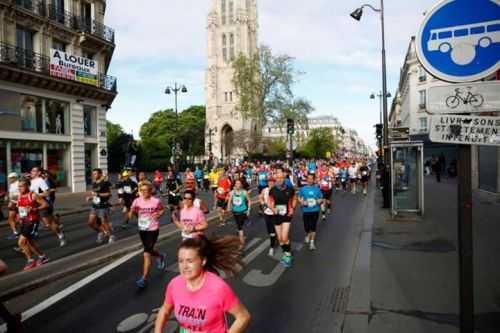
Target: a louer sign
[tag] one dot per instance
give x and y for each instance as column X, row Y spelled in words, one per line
column 71, row 67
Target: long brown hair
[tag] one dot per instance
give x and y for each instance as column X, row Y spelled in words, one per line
column 222, row 253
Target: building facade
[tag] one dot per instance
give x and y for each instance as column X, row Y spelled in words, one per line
column 54, row 91
column 232, row 30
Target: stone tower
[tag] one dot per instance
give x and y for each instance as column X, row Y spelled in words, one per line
column 232, row 29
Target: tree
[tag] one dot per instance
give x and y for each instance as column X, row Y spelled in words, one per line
column 319, row 142
column 275, row 147
column 246, row 140
column 117, row 140
column 263, row 84
column 191, row 132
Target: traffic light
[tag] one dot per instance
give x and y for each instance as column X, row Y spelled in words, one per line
column 379, row 129
column 290, row 126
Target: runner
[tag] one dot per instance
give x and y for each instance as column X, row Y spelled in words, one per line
column 198, row 297
column 100, row 195
column 40, row 187
column 282, row 203
column 198, row 174
column 325, row 185
column 310, row 197
column 213, row 177
column 173, row 190
column 343, row 175
column 353, row 177
column 29, row 206
column 158, row 182
column 206, row 180
column 191, row 220
column 240, row 205
column 148, row 210
column 365, row 176
column 220, row 197
column 13, row 196
column 268, row 215
column 127, row 192
column 262, row 176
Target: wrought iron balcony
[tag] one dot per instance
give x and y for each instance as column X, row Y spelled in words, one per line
column 34, row 6
column 61, row 16
column 95, row 28
column 28, row 60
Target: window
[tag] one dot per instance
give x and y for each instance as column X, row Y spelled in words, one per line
column 494, row 27
column 461, row 32
column 224, row 47
column 56, row 117
column 422, row 99
column 225, row 97
column 223, row 11
column 90, row 120
column 231, row 46
column 230, row 96
column 421, row 74
column 231, row 12
column 423, row 123
column 24, row 41
column 445, row 34
column 476, row 30
column 58, row 45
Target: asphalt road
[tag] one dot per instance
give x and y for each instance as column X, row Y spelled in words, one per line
column 78, row 235
column 309, row 297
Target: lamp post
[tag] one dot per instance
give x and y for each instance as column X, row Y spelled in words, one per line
column 211, row 131
column 379, row 139
column 387, row 179
column 176, row 89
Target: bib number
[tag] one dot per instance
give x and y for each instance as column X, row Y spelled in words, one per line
column 183, row 330
column 127, row 189
column 96, row 200
column 281, row 210
column 220, row 190
column 23, row 212
column 311, row 202
column 237, row 201
column 365, row 173
column 120, row 191
column 144, row 222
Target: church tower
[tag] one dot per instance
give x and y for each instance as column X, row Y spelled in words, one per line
column 232, row 29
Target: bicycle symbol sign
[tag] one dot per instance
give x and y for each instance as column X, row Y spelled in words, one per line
column 459, row 40
column 476, row 100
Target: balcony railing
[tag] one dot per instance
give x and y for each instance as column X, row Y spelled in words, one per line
column 36, row 62
column 55, row 14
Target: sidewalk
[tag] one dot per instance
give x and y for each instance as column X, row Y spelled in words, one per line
column 414, row 265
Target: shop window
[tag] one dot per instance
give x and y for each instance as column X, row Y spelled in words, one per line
column 25, row 155
column 56, row 163
column 56, row 115
column 90, row 120
column 31, row 114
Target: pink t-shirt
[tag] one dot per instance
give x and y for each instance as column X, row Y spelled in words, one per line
column 145, row 210
column 192, row 216
column 201, row 310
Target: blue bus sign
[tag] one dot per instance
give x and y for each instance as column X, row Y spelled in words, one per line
column 459, row 40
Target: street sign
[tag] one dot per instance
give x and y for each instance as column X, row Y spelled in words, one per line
column 464, row 98
column 399, row 134
column 466, row 130
column 459, row 40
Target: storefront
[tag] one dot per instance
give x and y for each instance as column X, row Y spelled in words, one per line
column 3, row 167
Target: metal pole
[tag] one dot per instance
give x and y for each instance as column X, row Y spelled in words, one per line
column 465, row 240
column 387, row 158
column 176, row 127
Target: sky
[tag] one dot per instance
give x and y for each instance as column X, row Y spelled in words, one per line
column 160, row 42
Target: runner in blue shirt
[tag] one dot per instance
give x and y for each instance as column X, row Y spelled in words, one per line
column 311, row 198
column 198, row 174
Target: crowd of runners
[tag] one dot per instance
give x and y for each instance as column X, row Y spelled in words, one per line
column 280, row 192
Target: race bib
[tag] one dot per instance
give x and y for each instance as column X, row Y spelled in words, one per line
column 311, row 202
column 237, row 201
column 144, row 222
column 96, row 200
column 220, row 190
column 262, row 177
column 365, row 173
column 120, row 191
column 281, row 210
column 183, row 330
column 23, row 212
column 127, row 189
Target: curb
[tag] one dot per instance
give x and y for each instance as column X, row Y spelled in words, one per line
column 19, row 283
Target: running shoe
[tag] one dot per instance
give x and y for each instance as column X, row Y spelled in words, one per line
column 161, row 262
column 271, row 252
column 30, row 265
column 312, row 247
column 306, row 240
column 100, row 238
column 42, row 260
column 111, row 239
column 62, row 241
column 13, row 236
column 286, row 260
column 141, row 283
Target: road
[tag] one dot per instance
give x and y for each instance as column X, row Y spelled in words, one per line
column 309, row 297
column 79, row 236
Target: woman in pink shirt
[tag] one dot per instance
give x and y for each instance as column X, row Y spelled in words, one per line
column 198, row 297
column 148, row 210
column 191, row 220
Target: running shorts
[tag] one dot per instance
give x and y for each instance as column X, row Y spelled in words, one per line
column 149, row 239
column 240, row 219
column 29, row 230
column 310, row 221
column 221, row 203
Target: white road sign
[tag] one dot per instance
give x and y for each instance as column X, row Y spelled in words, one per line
column 467, row 130
column 464, row 98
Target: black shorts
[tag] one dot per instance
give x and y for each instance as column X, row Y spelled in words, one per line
column 327, row 194
column 364, row 179
column 29, row 230
column 149, row 239
column 310, row 221
column 47, row 212
column 240, row 219
column 261, row 188
column 354, row 180
column 280, row 219
column 221, row 203
column 127, row 202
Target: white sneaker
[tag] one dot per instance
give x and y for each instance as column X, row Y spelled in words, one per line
column 312, row 247
column 271, row 252
column 100, row 238
column 62, row 241
column 112, row 239
column 306, row 240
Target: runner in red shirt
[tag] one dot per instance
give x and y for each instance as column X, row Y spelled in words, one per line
column 220, row 197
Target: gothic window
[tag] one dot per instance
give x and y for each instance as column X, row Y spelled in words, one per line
column 231, row 45
column 224, row 47
column 231, row 12
column 225, row 96
column 223, row 11
column 230, row 96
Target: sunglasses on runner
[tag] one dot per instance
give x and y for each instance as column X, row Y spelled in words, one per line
column 188, row 198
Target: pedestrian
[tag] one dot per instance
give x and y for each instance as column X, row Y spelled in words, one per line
column 198, row 297
column 148, row 210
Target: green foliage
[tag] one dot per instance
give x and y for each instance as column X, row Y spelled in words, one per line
column 319, row 142
column 117, row 141
column 275, row 148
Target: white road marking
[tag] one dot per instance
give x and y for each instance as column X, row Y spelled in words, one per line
column 71, row 289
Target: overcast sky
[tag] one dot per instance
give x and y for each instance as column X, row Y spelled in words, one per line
column 159, row 42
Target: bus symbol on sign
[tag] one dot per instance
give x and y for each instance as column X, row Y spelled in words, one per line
column 459, row 40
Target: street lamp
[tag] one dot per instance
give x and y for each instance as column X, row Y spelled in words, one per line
column 176, row 89
column 387, row 180
column 210, row 133
column 379, row 126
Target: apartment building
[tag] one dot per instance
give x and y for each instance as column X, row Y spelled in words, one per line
column 54, row 88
